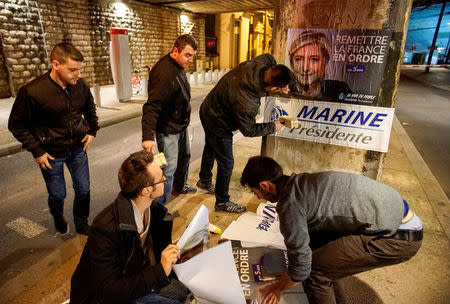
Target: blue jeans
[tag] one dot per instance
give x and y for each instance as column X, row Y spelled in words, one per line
column 154, row 298
column 77, row 163
column 221, row 150
column 174, row 293
column 177, row 151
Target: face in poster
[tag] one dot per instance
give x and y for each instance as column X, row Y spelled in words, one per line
column 337, row 65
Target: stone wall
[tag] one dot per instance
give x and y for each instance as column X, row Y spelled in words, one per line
column 31, row 28
column 23, row 42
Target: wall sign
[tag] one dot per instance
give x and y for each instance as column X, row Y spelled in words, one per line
column 338, row 65
column 348, row 125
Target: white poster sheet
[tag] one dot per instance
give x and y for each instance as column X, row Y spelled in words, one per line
column 210, row 274
column 252, row 228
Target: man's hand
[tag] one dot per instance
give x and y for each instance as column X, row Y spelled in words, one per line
column 43, row 161
column 87, row 141
column 273, row 291
column 149, row 145
column 169, row 256
column 278, row 126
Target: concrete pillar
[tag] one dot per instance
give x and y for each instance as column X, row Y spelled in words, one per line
column 305, row 156
column 216, row 75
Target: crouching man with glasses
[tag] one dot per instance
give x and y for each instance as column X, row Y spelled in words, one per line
column 128, row 256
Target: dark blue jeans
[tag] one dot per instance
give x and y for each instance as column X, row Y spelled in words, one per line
column 221, row 150
column 177, row 152
column 174, row 293
column 77, row 163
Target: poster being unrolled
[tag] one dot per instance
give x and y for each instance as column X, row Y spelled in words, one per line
column 210, row 274
column 339, row 65
column 195, row 238
column 253, row 228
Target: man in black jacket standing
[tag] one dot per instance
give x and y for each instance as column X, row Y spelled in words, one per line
column 128, row 256
column 167, row 113
column 233, row 105
column 54, row 117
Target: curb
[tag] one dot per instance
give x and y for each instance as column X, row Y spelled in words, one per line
column 433, row 191
column 425, row 82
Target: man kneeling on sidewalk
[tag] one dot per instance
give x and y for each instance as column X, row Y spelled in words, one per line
column 334, row 224
column 128, row 256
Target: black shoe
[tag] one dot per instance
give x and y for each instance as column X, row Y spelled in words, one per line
column 84, row 230
column 61, row 225
column 229, row 207
column 188, row 189
column 207, row 187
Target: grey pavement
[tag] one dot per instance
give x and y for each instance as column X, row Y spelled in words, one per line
column 423, row 279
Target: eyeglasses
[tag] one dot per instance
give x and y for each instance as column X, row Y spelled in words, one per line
column 163, row 180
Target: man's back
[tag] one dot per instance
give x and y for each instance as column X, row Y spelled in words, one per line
column 236, row 97
column 341, row 202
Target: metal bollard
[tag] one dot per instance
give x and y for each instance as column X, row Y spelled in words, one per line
column 97, row 98
column 195, row 77
column 209, row 75
column 202, row 78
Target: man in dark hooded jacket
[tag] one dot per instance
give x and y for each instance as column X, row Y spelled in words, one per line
column 233, row 105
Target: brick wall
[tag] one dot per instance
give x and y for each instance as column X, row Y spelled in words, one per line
column 31, row 28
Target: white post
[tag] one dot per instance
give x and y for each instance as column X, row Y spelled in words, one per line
column 97, row 98
column 221, row 73
column 209, row 77
column 195, row 76
column 202, row 78
column 216, row 75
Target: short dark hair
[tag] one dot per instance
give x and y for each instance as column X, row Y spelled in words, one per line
column 65, row 50
column 258, row 169
column 184, row 40
column 133, row 174
column 278, row 75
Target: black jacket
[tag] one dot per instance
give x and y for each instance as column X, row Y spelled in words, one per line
column 113, row 267
column 168, row 109
column 234, row 102
column 46, row 118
